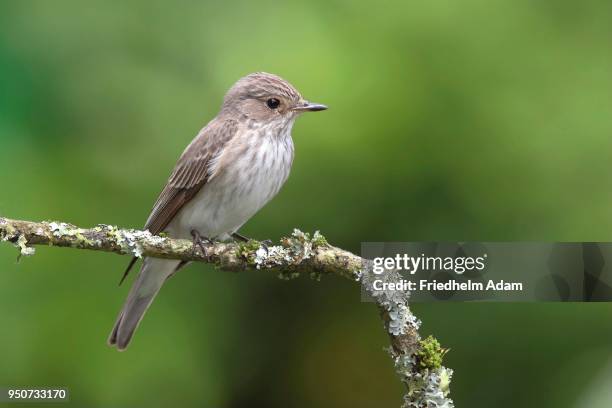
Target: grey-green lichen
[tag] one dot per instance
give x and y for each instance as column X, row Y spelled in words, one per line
column 418, row 362
column 24, row 249
column 400, row 317
column 430, row 389
column 421, row 370
column 130, row 241
column 290, row 253
column 62, row 229
column 395, row 302
column 427, row 387
column 9, row 233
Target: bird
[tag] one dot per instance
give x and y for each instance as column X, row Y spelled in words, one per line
column 235, row 165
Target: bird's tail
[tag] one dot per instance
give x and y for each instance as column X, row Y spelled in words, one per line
column 152, row 276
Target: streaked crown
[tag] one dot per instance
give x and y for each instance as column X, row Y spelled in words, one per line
column 265, row 98
column 259, row 85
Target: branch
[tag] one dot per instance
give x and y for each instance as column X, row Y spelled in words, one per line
column 417, row 361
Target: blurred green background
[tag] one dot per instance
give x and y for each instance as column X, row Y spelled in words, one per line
column 472, row 120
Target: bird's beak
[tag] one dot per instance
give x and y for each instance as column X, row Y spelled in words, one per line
column 306, row 106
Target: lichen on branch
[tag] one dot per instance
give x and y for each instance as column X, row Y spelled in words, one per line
column 418, row 362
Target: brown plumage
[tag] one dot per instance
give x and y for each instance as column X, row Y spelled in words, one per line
column 190, row 173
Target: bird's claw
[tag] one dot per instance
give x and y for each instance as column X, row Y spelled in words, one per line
column 199, row 240
column 265, row 244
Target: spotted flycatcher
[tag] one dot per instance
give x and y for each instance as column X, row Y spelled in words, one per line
column 232, row 168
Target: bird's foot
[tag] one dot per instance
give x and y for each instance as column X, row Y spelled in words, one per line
column 199, row 240
column 265, row 244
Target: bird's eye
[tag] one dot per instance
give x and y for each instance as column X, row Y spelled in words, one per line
column 273, row 103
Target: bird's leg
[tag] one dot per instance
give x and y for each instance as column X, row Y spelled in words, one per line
column 199, row 240
column 242, row 238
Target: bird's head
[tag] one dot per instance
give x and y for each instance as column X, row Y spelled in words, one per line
column 266, row 98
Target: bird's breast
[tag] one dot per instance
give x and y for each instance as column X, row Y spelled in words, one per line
column 261, row 171
column 250, row 173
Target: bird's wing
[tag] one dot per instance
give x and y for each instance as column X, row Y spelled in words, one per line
column 190, row 174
